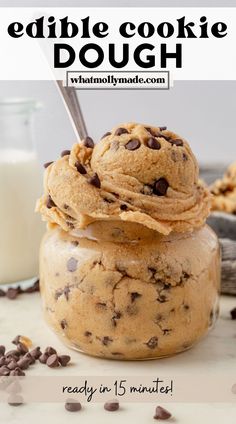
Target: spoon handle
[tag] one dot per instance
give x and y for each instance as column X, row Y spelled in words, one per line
column 74, row 111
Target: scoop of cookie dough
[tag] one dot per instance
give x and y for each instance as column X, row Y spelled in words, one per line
column 224, row 191
column 136, row 173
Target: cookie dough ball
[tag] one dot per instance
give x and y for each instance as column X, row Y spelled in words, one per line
column 224, row 191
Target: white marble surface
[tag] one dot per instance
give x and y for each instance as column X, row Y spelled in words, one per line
column 215, row 354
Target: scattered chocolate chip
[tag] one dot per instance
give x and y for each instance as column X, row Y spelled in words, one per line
column 58, row 294
column 75, row 243
column 162, row 298
column 65, row 153
column 152, row 343
column 52, row 361
column 23, row 363
column 72, row 264
column 106, row 340
column 116, row 317
column 154, row 144
column 101, row 305
column 17, row 372
column 12, row 293
column 63, row 324
column 72, row 406
column 36, row 352
column 15, row 400
column 50, row 203
column 22, row 348
column 16, row 340
column 4, row 371
column 43, row 358
column 123, row 207
column 186, row 307
column 176, row 142
column 185, row 157
column 30, row 358
column 64, row 360
column 88, row 142
column 32, row 289
column 161, row 413
column 134, row 296
column 162, row 128
column 108, row 200
column 160, row 187
column 47, row 164
column 12, row 353
column 106, row 135
column 12, row 365
column 50, row 351
column 233, row 313
column 2, row 361
column 121, row 131
column 80, row 168
column 112, row 405
column 87, row 334
column 2, row 350
column 95, row 181
column 2, row 293
column 132, row 144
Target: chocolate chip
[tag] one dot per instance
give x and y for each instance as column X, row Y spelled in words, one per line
column 161, row 413
column 58, row 294
column 108, row 200
column 34, row 288
column 116, row 317
column 30, row 358
column 12, row 293
column 162, row 298
column 112, row 405
column 50, row 351
column 185, row 157
column 176, row 142
column 17, row 372
column 22, row 348
column 154, row 144
column 233, row 313
column 72, row 406
column 36, row 352
column 63, row 324
column 106, row 340
column 2, row 361
column 72, row 265
column 47, row 164
column 16, row 340
column 23, row 363
column 134, row 296
column 75, row 243
column 162, row 128
column 43, row 358
column 4, row 371
column 15, row 400
column 12, row 365
column 2, row 350
column 152, row 343
column 66, row 292
column 80, row 168
column 120, row 131
column 106, row 135
column 64, row 360
column 52, row 361
column 95, row 181
column 87, row 334
column 12, row 353
column 153, row 132
column 65, row 153
column 186, row 307
column 2, row 293
column 160, row 187
column 88, row 142
column 123, row 207
column 50, row 203
column 132, row 144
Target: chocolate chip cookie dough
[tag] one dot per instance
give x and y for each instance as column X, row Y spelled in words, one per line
column 128, row 268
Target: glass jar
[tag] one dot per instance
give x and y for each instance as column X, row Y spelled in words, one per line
column 121, row 291
column 20, row 185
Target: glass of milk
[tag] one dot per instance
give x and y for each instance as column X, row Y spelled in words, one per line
column 20, row 184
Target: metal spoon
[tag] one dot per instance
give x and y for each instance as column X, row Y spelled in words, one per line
column 73, row 108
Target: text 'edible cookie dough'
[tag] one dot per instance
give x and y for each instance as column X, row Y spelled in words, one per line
column 136, row 173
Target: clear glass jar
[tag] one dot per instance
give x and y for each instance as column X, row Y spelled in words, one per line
column 121, row 291
column 20, row 185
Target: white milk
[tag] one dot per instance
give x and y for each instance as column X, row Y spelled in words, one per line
column 20, row 227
